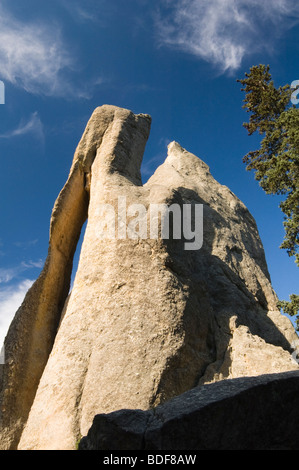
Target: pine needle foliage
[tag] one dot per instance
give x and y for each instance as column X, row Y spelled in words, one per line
column 276, row 162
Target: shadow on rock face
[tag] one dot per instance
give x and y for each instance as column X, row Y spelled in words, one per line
column 248, row 413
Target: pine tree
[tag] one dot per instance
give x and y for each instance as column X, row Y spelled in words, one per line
column 276, row 162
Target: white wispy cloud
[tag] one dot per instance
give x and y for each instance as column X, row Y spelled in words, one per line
column 90, row 11
column 32, row 264
column 33, row 56
column 223, row 32
column 10, row 273
column 149, row 165
column 11, row 299
column 12, row 292
column 7, row 274
column 25, row 244
column 33, row 126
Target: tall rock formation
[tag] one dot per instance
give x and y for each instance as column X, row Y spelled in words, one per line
column 148, row 317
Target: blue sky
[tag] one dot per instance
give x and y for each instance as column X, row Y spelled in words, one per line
column 175, row 60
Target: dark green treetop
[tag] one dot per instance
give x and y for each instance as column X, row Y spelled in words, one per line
column 276, row 162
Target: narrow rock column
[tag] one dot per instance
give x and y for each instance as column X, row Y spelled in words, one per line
column 95, row 328
column 32, row 332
